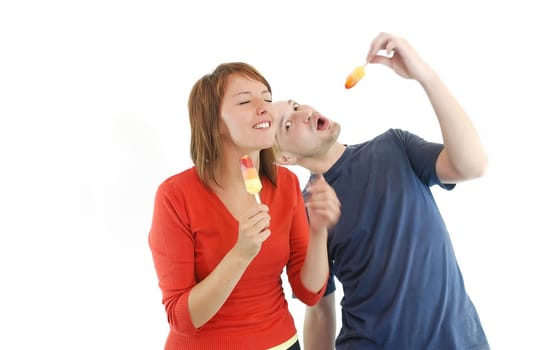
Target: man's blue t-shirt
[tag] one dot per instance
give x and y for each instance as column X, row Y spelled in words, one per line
column 392, row 253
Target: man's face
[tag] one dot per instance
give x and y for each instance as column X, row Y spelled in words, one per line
column 302, row 132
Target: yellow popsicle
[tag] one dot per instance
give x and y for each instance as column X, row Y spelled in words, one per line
column 250, row 176
column 355, row 76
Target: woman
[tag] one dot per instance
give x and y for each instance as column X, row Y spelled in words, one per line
column 219, row 255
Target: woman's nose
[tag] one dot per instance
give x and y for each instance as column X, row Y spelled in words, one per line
column 261, row 110
column 263, row 107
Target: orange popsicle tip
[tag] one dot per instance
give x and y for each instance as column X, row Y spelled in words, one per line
column 250, row 175
column 354, row 77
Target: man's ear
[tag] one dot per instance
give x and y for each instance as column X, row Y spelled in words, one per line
column 285, row 159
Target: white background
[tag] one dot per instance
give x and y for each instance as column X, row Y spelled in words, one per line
column 93, row 108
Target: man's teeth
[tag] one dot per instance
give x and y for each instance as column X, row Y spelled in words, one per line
column 262, row 125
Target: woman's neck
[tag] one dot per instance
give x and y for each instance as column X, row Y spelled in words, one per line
column 228, row 172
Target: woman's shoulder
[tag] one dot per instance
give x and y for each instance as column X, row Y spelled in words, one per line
column 285, row 175
column 184, row 179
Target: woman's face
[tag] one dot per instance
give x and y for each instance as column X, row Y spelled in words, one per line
column 247, row 118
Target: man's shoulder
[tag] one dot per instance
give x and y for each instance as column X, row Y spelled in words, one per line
column 386, row 136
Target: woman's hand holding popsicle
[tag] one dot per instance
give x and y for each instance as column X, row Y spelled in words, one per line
column 253, row 230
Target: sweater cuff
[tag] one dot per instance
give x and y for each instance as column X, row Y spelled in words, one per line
column 181, row 319
column 308, row 297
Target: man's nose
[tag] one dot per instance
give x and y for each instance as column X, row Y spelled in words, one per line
column 305, row 115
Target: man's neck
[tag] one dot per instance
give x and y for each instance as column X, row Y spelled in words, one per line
column 323, row 163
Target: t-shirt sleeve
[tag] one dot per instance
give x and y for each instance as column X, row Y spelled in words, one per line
column 330, row 288
column 422, row 156
column 172, row 247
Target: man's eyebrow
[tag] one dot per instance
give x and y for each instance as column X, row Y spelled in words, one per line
column 291, row 103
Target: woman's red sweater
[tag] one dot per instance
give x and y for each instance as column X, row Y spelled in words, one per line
column 191, row 232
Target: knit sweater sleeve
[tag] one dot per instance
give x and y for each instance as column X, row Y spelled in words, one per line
column 299, row 239
column 172, row 246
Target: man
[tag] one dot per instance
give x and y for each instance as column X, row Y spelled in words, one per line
column 390, row 249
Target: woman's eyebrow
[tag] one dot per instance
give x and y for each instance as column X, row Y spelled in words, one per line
column 249, row 93
column 243, row 93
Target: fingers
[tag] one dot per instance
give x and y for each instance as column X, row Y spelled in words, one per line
column 384, row 41
column 253, row 230
column 323, row 204
column 256, row 219
column 379, row 43
column 399, row 56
